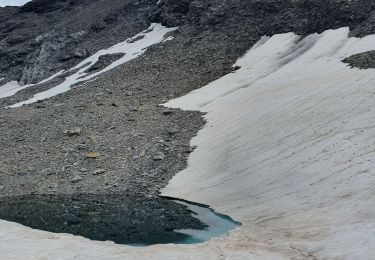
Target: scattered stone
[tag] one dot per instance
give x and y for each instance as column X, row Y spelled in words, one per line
column 81, row 146
column 83, row 169
column 76, row 179
column 40, row 105
column 93, row 155
column 159, row 157
column 236, row 68
column 73, row 132
column 99, row 172
column 81, row 53
column 167, row 112
column 173, row 131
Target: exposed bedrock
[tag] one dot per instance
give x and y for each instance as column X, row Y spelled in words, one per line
column 43, row 37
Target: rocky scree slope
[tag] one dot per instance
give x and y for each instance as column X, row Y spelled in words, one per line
column 140, row 146
column 43, row 37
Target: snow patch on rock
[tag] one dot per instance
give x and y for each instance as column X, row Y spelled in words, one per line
column 131, row 48
column 11, row 88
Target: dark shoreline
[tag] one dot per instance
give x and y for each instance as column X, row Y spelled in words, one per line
column 121, row 219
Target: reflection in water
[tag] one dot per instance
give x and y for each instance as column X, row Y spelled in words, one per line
column 125, row 220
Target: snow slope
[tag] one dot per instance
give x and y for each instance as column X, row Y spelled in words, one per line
column 288, row 150
column 131, row 48
column 289, row 145
column 13, row 2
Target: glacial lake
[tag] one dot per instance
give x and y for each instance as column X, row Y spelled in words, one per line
column 128, row 220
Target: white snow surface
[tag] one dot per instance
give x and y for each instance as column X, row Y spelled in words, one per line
column 131, row 48
column 13, row 2
column 11, row 88
column 289, row 145
column 288, row 150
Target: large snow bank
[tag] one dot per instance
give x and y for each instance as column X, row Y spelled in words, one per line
column 289, row 144
column 288, row 150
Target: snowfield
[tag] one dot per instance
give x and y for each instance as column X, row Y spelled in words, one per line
column 288, row 150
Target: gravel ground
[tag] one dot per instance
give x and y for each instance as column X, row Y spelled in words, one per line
column 111, row 135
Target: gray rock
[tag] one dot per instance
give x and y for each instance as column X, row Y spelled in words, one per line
column 73, row 131
column 99, row 172
column 167, row 112
column 159, row 157
column 133, row 109
column 365, row 60
column 76, row 179
column 173, row 131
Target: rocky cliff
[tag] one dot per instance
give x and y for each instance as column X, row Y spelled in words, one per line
column 43, row 37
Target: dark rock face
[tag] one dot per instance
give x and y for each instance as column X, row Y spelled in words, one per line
column 172, row 13
column 44, row 6
column 365, row 60
column 43, row 37
column 269, row 17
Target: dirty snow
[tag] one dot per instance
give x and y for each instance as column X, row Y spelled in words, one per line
column 289, row 145
column 132, row 48
column 288, row 150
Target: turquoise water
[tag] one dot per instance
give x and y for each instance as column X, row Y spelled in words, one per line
column 218, row 224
